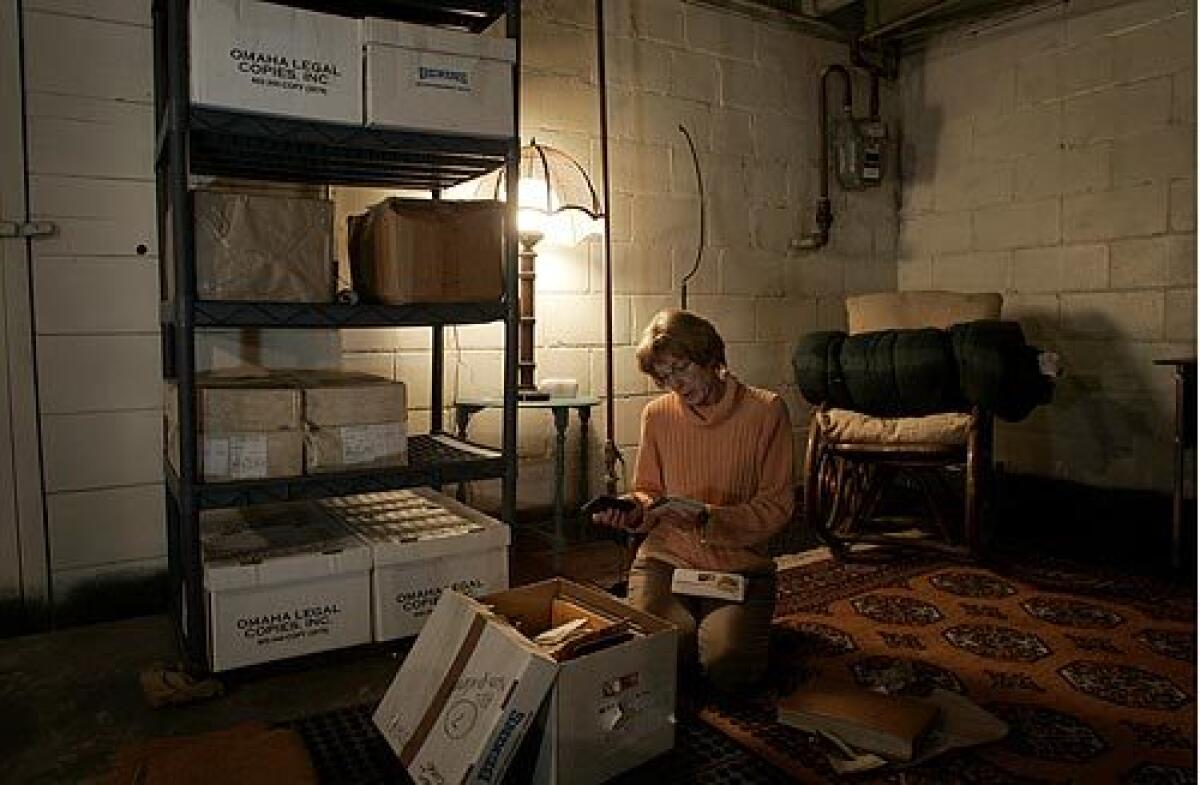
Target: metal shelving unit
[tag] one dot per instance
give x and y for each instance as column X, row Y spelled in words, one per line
column 193, row 140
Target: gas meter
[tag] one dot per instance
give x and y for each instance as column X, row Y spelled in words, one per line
column 858, row 150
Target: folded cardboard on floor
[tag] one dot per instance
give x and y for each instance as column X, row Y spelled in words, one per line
column 604, row 706
column 422, row 251
column 254, row 246
column 281, row 581
column 422, row 543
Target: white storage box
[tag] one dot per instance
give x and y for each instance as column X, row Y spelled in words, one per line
column 280, row 581
column 465, row 695
column 610, row 710
column 422, row 542
column 431, row 79
column 271, row 59
column 462, row 700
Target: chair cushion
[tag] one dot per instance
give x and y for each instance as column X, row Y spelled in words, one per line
column 909, row 310
column 844, row 426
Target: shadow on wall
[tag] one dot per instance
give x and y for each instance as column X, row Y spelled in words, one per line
column 919, row 139
column 1110, row 422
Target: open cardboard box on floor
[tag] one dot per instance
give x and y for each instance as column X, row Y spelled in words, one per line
column 594, row 704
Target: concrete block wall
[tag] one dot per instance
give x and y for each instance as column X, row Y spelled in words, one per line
column 1053, row 158
column 746, row 90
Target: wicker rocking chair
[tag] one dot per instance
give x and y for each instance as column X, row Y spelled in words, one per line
column 852, row 459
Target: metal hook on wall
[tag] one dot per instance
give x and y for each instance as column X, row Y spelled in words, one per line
column 700, row 243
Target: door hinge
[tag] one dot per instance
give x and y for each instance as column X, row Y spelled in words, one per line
column 27, row 229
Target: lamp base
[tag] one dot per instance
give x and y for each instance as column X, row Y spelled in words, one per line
column 532, row 395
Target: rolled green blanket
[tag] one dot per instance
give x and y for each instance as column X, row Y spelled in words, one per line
column 909, row 373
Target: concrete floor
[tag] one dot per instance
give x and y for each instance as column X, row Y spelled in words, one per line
column 70, row 698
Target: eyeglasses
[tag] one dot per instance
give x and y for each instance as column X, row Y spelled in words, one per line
column 666, row 374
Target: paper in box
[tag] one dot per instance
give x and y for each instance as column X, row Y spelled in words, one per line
column 432, row 79
column 272, row 59
column 422, row 543
column 263, row 247
column 281, row 581
column 610, row 708
column 423, row 251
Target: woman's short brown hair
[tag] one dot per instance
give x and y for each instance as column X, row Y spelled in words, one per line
column 677, row 333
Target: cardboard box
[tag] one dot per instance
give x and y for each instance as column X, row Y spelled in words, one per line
column 464, row 696
column 353, row 421
column 351, row 398
column 610, row 710
column 423, row 251
column 248, row 428
column 422, row 543
column 281, row 581
column 610, row 707
column 263, row 248
column 271, row 59
column 430, row 79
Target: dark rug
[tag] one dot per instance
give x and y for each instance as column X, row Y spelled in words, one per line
column 1093, row 670
column 346, row 749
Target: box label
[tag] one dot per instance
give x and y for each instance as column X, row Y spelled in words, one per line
column 445, row 73
column 370, row 443
column 280, row 73
column 248, row 457
column 288, row 624
column 419, row 603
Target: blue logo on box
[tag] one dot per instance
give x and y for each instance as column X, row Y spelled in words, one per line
column 443, row 78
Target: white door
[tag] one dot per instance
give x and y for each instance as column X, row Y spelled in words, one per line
column 23, row 561
column 89, row 119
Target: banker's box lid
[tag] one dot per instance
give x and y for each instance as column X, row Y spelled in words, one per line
column 465, row 696
column 388, row 32
column 416, row 524
column 276, row 544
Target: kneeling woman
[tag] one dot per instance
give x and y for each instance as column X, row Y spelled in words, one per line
column 712, row 439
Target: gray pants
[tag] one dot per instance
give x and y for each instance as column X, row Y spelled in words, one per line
column 725, row 641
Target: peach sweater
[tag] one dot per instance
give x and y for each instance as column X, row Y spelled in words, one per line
column 736, row 456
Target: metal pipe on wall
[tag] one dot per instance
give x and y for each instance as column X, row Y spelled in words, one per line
column 612, row 456
column 824, row 216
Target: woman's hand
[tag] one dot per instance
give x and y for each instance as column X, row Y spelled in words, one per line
column 625, row 520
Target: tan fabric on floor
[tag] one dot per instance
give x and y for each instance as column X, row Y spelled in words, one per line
column 842, row 425
column 165, row 685
column 248, row 753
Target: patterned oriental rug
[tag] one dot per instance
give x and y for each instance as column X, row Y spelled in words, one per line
column 1094, row 672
